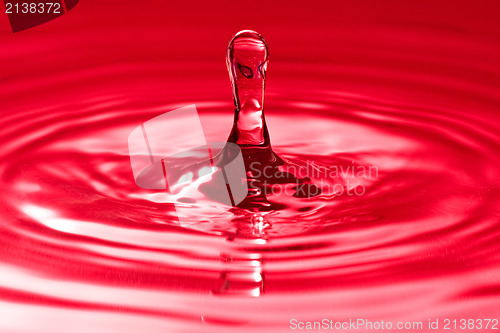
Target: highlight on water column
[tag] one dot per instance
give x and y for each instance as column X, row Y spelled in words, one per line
column 170, row 153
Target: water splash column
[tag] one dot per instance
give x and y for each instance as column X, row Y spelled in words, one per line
column 247, row 58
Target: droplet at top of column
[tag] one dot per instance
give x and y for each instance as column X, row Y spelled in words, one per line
column 247, row 57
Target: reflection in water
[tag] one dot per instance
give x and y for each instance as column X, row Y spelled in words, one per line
column 243, row 272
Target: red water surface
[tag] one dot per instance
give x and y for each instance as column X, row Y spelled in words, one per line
column 408, row 89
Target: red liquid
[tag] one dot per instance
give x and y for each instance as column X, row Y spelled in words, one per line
column 411, row 90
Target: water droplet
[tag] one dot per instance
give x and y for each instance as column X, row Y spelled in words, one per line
column 247, row 57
